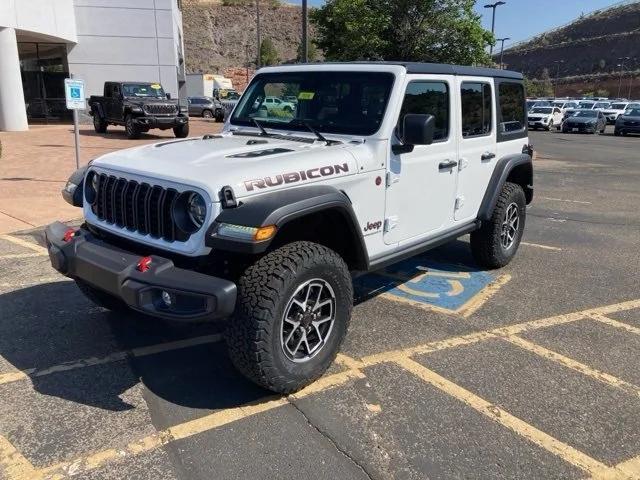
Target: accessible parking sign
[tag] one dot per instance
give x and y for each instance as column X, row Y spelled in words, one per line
column 74, row 94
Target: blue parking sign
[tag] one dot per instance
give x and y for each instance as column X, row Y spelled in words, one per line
column 74, row 93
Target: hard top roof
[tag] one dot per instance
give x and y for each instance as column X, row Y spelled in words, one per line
column 435, row 68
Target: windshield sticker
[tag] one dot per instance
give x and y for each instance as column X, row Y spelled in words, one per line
column 156, row 86
column 306, row 95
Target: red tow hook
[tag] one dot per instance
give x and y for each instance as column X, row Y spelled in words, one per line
column 68, row 235
column 144, row 264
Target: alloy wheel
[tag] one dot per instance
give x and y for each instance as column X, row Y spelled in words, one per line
column 510, row 225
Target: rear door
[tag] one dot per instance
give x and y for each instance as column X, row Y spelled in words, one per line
column 476, row 132
column 421, row 184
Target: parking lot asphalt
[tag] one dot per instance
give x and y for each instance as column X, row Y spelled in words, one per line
column 533, row 373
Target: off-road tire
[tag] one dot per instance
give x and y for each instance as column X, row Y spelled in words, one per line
column 207, row 114
column 182, row 131
column 220, row 118
column 99, row 124
column 486, row 246
column 264, row 290
column 101, row 298
column 130, row 127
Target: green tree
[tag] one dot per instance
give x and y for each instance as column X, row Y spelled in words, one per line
column 546, row 85
column 268, row 52
column 312, row 52
column 410, row 30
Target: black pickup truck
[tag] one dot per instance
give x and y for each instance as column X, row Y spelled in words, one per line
column 139, row 106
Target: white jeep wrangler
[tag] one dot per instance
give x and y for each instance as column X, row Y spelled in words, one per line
column 267, row 222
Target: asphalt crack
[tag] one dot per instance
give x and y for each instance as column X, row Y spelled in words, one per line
column 343, row 452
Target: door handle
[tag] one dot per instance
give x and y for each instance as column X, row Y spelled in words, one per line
column 447, row 165
column 487, row 156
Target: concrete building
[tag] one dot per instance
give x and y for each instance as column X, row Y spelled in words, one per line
column 42, row 42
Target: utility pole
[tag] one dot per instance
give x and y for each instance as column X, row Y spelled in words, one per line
column 259, row 40
column 635, row 64
column 305, row 36
column 502, row 40
column 555, row 84
column 621, row 65
column 493, row 21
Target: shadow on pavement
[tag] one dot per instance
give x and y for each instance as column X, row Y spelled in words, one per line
column 52, row 324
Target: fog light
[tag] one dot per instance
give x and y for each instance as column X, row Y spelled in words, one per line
column 166, row 299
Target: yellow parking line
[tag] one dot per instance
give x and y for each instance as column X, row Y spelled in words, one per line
column 630, row 467
column 495, row 413
column 30, row 245
column 573, row 365
column 114, row 357
column 14, row 465
column 544, row 247
column 616, row 323
column 16, row 256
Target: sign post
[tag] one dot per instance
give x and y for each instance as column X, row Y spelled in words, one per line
column 74, row 96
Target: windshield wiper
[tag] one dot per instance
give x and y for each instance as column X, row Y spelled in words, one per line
column 308, row 126
column 263, row 132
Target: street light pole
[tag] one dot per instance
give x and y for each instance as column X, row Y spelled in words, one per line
column 305, row 36
column 493, row 21
column 621, row 65
column 259, row 40
column 555, row 84
column 502, row 40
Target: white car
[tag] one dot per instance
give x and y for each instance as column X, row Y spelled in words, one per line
column 564, row 105
column 602, row 105
column 275, row 103
column 267, row 221
column 616, row 109
column 545, row 117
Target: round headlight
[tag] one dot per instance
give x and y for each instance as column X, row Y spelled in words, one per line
column 197, row 209
column 91, row 187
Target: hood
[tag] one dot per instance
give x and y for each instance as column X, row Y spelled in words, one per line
column 151, row 101
column 249, row 164
column 582, row 119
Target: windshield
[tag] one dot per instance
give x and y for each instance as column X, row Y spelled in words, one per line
column 541, row 110
column 349, row 103
column 586, row 104
column 601, row 105
column 588, row 113
column 618, row 106
column 143, row 90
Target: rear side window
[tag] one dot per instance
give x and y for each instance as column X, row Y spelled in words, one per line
column 476, row 109
column 511, row 104
column 430, row 98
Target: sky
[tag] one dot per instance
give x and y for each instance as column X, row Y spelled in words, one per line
column 521, row 19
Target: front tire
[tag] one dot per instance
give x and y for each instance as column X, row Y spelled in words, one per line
column 99, row 124
column 133, row 131
column 207, row 114
column 292, row 314
column 182, row 131
column 497, row 241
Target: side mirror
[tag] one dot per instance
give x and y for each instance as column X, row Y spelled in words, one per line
column 168, row 96
column 417, row 129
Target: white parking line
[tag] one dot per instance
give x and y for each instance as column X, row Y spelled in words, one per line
column 23, row 243
column 564, row 200
column 544, row 247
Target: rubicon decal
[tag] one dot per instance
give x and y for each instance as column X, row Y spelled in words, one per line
column 373, row 226
column 299, row 176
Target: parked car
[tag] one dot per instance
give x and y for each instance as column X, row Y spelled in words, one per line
column 618, row 108
column 601, row 105
column 587, row 121
column 544, row 117
column 267, row 222
column 628, row 122
column 565, row 104
column 206, row 107
column 139, row 106
column 537, row 103
column 276, row 103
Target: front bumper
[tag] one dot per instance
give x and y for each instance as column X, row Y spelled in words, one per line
column 194, row 296
column 538, row 124
column 578, row 127
column 625, row 127
column 161, row 122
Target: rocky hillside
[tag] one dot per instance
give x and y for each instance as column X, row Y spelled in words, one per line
column 585, row 51
column 222, row 34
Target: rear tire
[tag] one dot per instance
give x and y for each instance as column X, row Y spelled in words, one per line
column 292, row 314
column 133, row 131
column 101, row 298
column 182, row 131
column 207, row 114
column 497, row 241
column 99, row 124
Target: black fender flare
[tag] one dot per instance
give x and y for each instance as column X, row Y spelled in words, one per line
column 504, row 167
column 96, row 108
column 280, row 208
column 75, row 198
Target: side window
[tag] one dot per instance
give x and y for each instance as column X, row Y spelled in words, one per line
column 116, row 91
column 511, row 100
column 431, row 98
column 476, row 109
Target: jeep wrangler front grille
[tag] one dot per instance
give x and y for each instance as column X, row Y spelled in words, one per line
column 139, row 207
column 161, row 109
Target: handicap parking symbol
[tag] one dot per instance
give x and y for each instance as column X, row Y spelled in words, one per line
column 74, row 92
column 445, row 288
